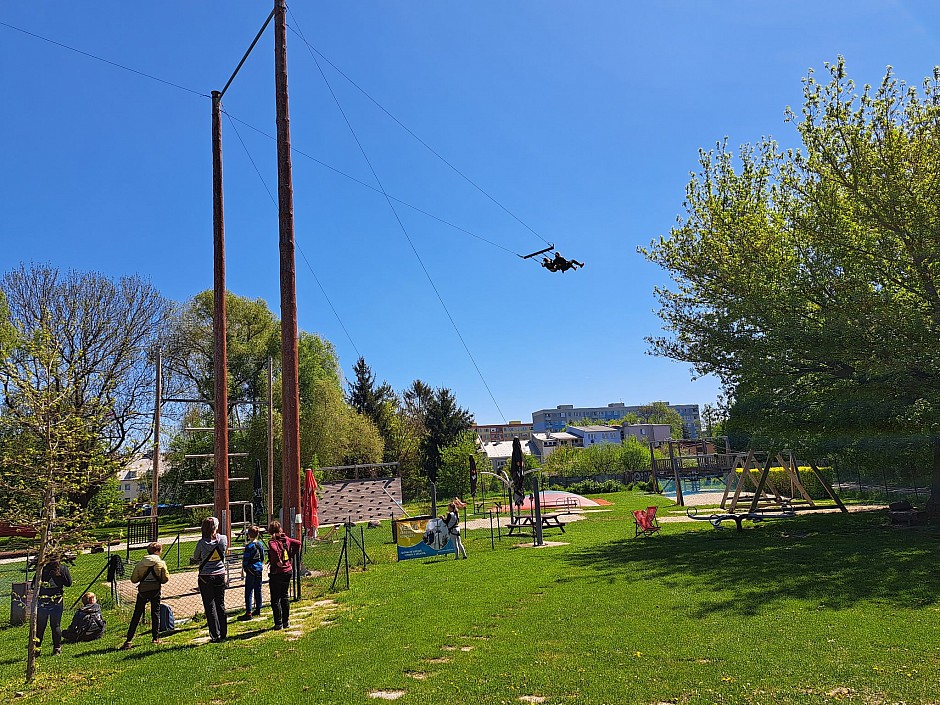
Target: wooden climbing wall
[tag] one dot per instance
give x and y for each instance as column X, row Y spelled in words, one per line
column 359, row 500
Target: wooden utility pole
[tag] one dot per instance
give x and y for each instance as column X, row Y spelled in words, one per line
column 270, row 439
column 220, row 353
column 290, row 402
column 155, row 464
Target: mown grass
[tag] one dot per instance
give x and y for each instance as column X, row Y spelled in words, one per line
column 816, row 609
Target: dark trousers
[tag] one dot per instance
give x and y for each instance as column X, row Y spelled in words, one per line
column 212, row 589
column 280, row 602
column 143, row 597
column 252, row 590
column 53, row 615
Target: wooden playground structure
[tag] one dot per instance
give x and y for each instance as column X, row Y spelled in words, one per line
column 745, row 474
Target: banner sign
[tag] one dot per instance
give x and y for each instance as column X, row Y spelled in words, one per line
column 422, row 537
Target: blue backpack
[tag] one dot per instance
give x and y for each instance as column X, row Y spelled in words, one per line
column 167, row 622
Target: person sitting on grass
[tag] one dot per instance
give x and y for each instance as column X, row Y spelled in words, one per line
column 253, row 565
column 151, row 574
column 87, row 623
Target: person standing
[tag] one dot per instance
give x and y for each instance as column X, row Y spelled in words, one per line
column 253, row 566
column 210, row 555
column 452, row 521
column 150, row 574
column 281, row 548
column 52, row 581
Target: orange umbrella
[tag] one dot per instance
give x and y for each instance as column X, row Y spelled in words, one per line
column 311, row 520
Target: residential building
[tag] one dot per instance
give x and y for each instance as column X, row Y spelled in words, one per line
column 547, row 443
column 134, row 478
column 591, row 435
column 561, row 416
column 489, row 433
column 655, row 433
column 499, row 452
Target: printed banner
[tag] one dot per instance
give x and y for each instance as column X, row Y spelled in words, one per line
column 422, row 537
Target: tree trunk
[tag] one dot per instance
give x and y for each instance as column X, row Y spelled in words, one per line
column 34, row 605
column 933, row 504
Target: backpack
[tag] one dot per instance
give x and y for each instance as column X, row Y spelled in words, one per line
column 167, row 621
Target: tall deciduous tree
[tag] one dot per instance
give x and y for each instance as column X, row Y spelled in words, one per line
column 103, row 331
column 51, row 451
column 809, row 281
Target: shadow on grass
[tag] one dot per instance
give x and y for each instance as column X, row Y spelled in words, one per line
column 832, row 561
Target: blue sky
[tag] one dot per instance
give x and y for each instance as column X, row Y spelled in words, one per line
column 583, row 118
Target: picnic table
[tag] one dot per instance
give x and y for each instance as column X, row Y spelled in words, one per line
column 526, row 521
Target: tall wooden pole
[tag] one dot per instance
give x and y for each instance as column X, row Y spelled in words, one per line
column 155, row 464
column 220, row 354
column 290, row 403
column 270, row 439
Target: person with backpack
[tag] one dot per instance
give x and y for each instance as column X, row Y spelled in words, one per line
column 281, row 548
column 452, row 522
column 150, row 575
column 210, row 555
column 52, row 581
column 88, row 623
column 253, row 566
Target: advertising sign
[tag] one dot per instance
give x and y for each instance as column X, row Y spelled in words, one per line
column 422, row 537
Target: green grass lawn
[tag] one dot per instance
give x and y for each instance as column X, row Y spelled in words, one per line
column 817, row 609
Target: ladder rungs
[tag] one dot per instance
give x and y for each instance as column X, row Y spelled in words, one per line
column 210, row 504
column 209, row 482
column 210, row 428
column 212, row 455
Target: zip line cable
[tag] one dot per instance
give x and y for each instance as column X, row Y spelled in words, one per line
column 106, row 61
column 302, row 253
column 466, row 178
column 407, row 236
column 413, row 207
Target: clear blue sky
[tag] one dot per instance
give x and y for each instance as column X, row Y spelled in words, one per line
column 582, row 117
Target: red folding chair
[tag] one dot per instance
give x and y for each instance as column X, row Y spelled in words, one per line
column 645, row 525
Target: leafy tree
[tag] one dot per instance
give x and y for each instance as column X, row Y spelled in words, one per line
column 659, row 412
column 103, row 330
column 807, row 281
column 51, row 451
column 252, row 336
column 454, row 477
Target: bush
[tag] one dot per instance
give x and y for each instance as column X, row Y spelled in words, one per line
column 781, row 481
column 595, row 487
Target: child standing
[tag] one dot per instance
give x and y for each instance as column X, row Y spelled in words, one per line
column 280, row 549
column 253, row 565
column 150, row 574
column 452, row 521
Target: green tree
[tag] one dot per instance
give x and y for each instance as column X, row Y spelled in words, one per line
column 103, row 330
column 252, row 336
column 378, row 403
column 808, row 282
column 659, row 412
column 445, row 421
column 51, row 453
column 454, row 477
